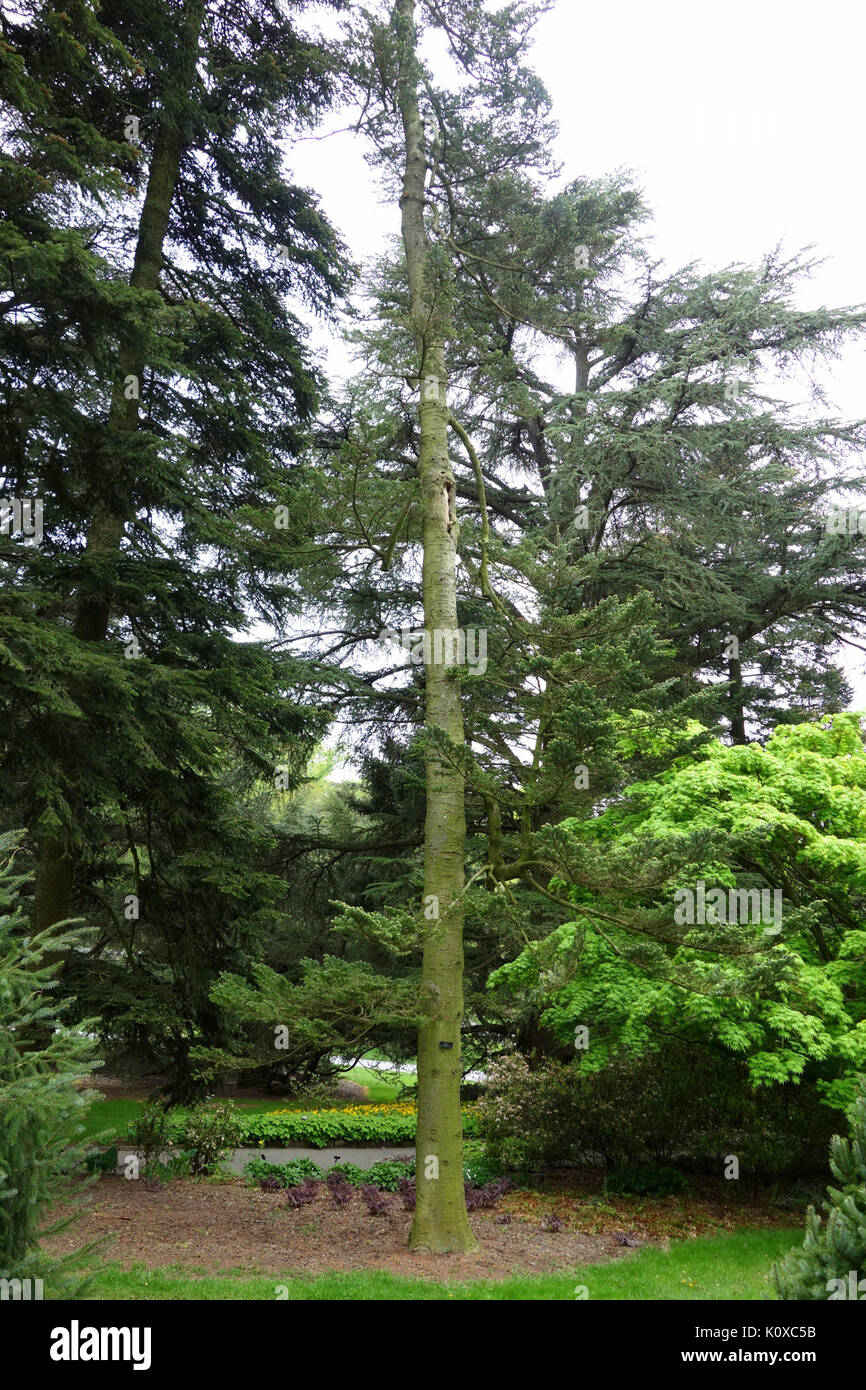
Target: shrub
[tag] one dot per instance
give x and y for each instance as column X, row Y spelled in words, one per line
column 386, row 1176
column 284, row 1174
column 150, row 1133
column 526, row 1116
column 105, row 1162
column 643, row 1110
column 645, row 1180
column 832, row 1262
column 211, row 1131
column 392, row 1123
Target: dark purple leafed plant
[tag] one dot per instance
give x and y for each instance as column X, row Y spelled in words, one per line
column 486, row 1196
column 271, row 1185
column 503, row 1219
column 498, row 1187
column 304, row 1194
column 341, row 1193
column 377, row 1202
column 406, row 1188
column 552, row 1222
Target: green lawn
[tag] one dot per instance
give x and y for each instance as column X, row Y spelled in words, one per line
column 719, row 1267
column 379, row 1087
column 115, row 1115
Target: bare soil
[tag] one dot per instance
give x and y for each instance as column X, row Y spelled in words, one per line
column 218, row 1227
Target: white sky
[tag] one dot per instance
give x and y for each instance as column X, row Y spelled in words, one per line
column 742, row 123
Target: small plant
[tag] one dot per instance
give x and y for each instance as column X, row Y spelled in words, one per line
column 553, row 1223
column 406, row 1188
column 486, row 1196
column 270, row 1185
column 286, row 1174
column 341, row 1193
column 388, row 1174
column 211, row 1132
column 150, row 1133
column 646, row 1180
column 303, row 1195
column 376, row 1202
column 503, row 1219
column 349, row 1172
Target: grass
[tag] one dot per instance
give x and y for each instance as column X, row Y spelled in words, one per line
column 114, row 1116
column 379, row 1088
column 704, row 1270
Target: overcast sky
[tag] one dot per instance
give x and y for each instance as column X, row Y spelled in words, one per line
column 742, row 122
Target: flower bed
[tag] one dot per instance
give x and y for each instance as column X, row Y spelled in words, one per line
column 393, row 1123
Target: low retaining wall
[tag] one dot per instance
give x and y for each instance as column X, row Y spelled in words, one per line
column 362, row 1156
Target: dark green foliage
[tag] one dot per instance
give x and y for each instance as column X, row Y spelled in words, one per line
column 102, row 1162
column 386, row 1175
column 832, row 1263
column 135, row 723
column 42, row 1081
column 688, row 1104
column 646, row 1180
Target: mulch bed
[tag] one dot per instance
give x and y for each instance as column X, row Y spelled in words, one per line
column 217, row 1227
column 214, row 1227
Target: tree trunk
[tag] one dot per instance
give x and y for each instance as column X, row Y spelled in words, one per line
column 735, row 702
column 441, row 1223
column 56, row 865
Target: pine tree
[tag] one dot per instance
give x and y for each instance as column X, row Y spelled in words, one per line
column 42, row 1095
column 832, row 1263
column 156, row 391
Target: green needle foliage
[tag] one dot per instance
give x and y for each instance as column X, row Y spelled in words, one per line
column 42, row 1095
column 832, row 1263
column 156, row 387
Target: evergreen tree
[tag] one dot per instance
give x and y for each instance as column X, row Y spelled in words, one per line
column 42, row 1095
column 832, row 1263
column 156, row 388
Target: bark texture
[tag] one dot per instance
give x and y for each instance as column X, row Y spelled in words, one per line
column 441, row 1223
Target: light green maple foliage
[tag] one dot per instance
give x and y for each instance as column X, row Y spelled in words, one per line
column 786, row 991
